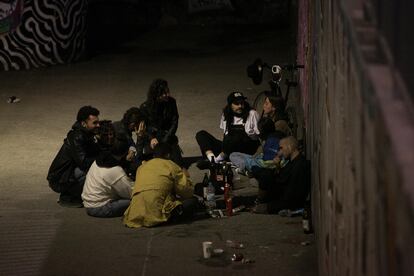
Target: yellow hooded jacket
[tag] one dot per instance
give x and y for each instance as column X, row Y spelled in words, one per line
column 154, row 196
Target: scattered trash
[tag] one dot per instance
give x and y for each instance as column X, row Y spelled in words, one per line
column 207, row 249
column 290, row 213
column 13, row 99
column 247, row 261
column 238, row 209
column 216, row 213
column 237, row 257
column 233, row 244
column 305, row 243
column 218, row 251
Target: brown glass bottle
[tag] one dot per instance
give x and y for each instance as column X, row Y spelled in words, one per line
column 228, row 198
column 307, row 218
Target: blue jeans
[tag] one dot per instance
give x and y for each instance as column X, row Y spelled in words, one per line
column 245, row 161
column 112, row 209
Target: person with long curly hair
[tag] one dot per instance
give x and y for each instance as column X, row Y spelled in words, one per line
column 161, row 112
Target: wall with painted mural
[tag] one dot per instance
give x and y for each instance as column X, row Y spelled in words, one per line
column 10, row 15
column 42, row 33
column 360, row 130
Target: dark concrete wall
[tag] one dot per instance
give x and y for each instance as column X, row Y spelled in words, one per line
column 360, row 129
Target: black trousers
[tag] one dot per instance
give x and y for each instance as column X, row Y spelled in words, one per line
column 287, row 189
column 72, row 191
column 186, row 211
column 206, row 142
column 233, row 143
column 267, row 182
column 176, row 152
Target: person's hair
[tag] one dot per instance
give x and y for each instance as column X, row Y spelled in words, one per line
column 85, row 111
column 279, row 104
column 229, row 114
column 266, row 127
column 156, row 89
column 120, row 146
column 133, row 115
column 105, row 130
column 162, row 150
column 283, row 127
column 292, row 142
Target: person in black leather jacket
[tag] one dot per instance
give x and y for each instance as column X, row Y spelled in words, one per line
column 133, row 122
column 80, row 148
column 161, row 111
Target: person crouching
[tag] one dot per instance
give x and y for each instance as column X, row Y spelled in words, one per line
column 163, row 192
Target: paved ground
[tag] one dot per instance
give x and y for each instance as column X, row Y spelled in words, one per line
column 38, row 237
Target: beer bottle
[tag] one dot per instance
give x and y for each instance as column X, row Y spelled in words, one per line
column 205, row 185
column 213, row 168
column 220, row 176
column 228, row 198
column 229, row 174
column 307, row 217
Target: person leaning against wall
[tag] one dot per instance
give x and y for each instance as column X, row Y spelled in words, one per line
column 288, row 187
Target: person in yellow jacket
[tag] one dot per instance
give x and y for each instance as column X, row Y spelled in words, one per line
column 163, row 192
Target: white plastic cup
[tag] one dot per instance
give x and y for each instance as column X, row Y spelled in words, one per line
column 207, row 249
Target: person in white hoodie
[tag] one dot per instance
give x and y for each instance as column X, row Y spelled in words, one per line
column 107, row 189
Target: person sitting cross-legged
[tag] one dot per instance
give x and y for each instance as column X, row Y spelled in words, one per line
column 263, row 158
column 107, row 189
column 287, row 188
column 163, row 192
column 160, row 110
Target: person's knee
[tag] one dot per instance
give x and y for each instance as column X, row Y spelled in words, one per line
column 201, row 134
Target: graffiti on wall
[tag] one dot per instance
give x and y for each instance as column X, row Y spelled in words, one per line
column 10, row 15
column 51, row 32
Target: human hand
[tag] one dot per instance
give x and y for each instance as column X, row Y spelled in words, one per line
column 186, row 173
column 130, row 156
column 140, row 131
column 153, row 143
column 277, row 159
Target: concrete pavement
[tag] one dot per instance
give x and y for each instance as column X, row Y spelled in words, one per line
column 202, row 65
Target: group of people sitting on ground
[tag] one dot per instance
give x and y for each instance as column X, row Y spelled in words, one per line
column 134, row 167
column 261, row 146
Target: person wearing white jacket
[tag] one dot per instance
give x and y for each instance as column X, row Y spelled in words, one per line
column 107, row 189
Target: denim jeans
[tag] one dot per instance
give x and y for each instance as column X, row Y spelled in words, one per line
column 245, row 161
column 112, row 209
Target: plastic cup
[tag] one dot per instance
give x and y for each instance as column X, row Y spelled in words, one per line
column 207, row 249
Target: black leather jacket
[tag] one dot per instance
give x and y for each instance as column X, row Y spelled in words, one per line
column 122, row 130
column 79, row 149
column 163, row 120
